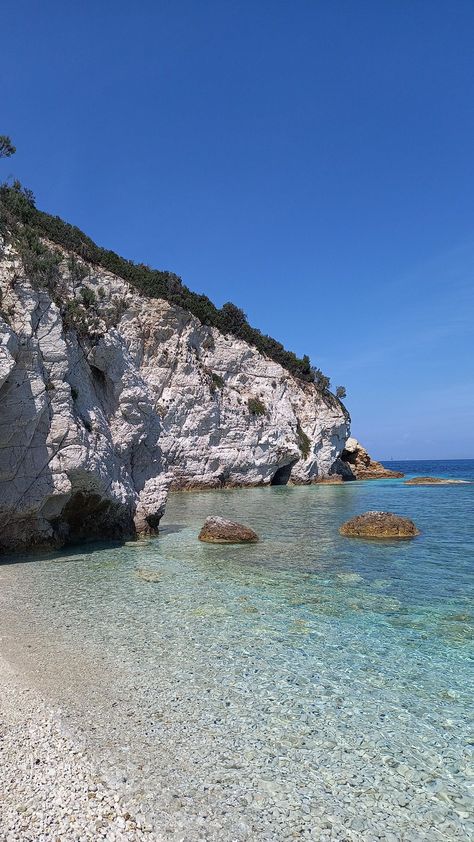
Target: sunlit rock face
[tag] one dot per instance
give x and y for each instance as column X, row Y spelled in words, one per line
column 79, row 436
column 355, row 463
column 204, row 383
column 101, row 413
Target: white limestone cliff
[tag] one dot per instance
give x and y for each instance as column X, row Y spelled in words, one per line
column 97, row 423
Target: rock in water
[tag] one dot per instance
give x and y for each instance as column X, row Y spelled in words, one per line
column 355, row 463
column 379, row 525
column 148, row 575
column 217, row 530
column 435, row 481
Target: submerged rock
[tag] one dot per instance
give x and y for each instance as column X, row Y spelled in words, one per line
column 379, row 525
column 148, row 575
column 435, row 481
column 217, row 530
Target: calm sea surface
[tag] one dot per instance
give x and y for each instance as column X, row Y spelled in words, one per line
column 307, row 687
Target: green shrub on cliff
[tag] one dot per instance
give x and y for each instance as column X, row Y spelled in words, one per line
column 218, row 382
column 319, row 379
column 304, row 442
column 88, row 297
column 75, row 317
column 41, row 263
column 256, row 407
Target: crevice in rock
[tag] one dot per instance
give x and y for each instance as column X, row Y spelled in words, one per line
column 282, row 475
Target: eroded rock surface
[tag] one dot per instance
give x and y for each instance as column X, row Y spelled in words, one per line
column 80, row 456
column 210, row 438
column 379, row 525
column 217, row 530
column 105, row 406
column 355, row 463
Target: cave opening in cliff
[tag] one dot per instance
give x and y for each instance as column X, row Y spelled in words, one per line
column 88, row 516
column 282, row 475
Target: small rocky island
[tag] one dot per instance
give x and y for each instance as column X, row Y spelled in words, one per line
column 217, row 530
column 379, row 525
column 435, row 481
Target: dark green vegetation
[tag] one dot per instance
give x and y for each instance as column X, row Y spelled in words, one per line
column 20, row 217
column 304, row 442
column 218, row 382
column 6, row 147
column 256, row 407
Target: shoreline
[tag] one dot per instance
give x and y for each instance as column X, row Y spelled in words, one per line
column 134, row 696
column 39, row 551
column 52, row 789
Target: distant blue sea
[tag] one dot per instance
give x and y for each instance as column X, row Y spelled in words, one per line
column 451, row 468
column 309, row 686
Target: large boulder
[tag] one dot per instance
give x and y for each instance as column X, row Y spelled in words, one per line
column 217, row 530
column 379, row 525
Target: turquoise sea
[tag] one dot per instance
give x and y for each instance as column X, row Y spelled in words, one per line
column 306, row 687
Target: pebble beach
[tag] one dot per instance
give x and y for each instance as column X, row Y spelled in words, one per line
column 51, row 789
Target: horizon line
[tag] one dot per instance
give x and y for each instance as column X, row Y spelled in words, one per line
column 427, row 459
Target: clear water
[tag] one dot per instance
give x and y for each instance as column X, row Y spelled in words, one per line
column 309, row 686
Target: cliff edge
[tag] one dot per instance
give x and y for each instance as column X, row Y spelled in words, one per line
column 108, row 398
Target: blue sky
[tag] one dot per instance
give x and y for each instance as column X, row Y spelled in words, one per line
column 310, row 161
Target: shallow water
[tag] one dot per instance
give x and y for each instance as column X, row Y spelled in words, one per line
column 309, row 686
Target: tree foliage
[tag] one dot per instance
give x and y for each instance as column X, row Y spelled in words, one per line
column 18, row 211
column 320, row 379
column 88, row 297
column 6, row 147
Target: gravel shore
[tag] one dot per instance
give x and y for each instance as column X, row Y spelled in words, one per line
column 51, row 791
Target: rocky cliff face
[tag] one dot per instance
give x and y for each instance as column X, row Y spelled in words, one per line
column 229, row 415
column 79, row 440
column 107, row 399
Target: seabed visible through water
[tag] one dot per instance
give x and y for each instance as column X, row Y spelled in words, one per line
column 308, row 686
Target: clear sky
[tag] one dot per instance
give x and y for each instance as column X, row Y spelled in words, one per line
column 311, row 161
